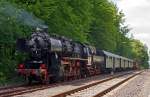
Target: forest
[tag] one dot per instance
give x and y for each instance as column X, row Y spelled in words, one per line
column 96, row 22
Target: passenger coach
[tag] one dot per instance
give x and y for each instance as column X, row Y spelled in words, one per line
column 110, row 62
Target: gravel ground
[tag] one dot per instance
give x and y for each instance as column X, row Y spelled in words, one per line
column 138, row 86
column 62, row 88
column 90, row 92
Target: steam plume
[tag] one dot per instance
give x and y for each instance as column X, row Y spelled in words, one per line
column 21, row 15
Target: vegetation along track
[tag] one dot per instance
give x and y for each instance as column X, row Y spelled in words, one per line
column 100, row 88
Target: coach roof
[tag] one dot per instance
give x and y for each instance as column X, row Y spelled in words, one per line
column 114, row 55
column 110, row 54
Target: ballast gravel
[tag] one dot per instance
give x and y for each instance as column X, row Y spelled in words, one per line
column 138, row 86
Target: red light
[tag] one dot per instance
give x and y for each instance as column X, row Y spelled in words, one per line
column 33, row 71
column 43, row 66
column 21, row 66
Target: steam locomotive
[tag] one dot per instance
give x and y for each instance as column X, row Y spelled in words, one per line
column 54, row 58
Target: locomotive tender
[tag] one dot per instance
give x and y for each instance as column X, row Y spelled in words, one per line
column 54, row 58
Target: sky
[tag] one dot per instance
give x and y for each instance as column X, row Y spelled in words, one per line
column 137, row 14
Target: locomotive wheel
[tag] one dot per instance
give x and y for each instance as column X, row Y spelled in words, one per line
column 46, row 81
column 52, row 80
column 30, row 79
column 43, row 80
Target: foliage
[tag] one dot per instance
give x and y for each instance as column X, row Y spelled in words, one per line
column 139, row 53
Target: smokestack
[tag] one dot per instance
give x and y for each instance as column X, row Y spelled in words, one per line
column 38, row 29
column 45, row 29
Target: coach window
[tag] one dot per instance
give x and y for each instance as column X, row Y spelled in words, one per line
column 107, row 59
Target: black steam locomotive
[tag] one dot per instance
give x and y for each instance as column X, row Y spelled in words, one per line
column 54, row 58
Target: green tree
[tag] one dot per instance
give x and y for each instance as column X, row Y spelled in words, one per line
column 140, row 53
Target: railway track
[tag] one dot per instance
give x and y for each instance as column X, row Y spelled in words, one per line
column 8, row 87
column 21, row 89
column 100, row 88
column 12, row 91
